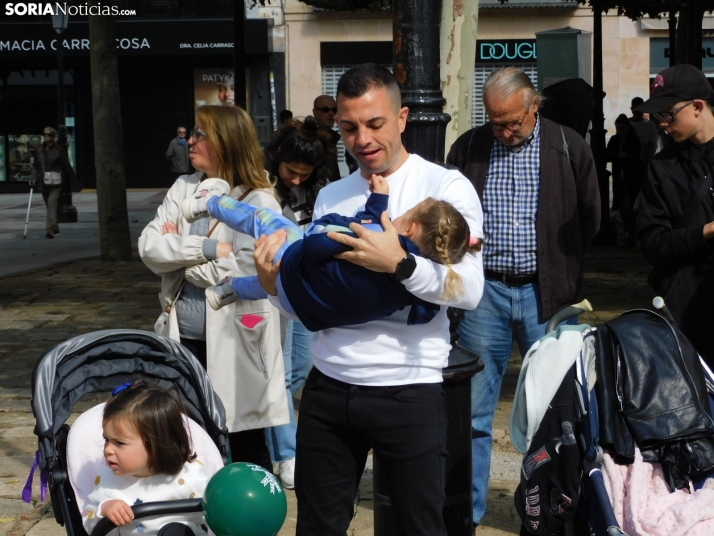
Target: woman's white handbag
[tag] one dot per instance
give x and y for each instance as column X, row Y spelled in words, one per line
column 52, row 178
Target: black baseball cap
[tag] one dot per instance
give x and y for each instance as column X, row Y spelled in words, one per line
column 679, row 83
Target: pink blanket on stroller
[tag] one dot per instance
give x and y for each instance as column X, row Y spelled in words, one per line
column 644, row 506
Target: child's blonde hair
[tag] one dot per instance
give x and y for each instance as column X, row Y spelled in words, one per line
column 445, row 238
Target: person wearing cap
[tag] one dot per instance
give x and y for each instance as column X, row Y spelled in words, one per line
column 50, row 169
column 676, row 223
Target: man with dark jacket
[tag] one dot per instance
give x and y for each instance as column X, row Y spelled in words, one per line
column 539, row 192
column 50, row 170
column 178, row 154
column 676, row 223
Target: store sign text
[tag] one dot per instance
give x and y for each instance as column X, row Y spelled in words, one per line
column 509, row 50
column 71, row 44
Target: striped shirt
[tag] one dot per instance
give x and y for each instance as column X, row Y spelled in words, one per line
column 510, row 207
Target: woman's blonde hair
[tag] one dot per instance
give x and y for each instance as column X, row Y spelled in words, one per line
column 445, row 238
column 231, row 133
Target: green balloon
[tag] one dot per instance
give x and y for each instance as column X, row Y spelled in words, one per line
column 243, row 499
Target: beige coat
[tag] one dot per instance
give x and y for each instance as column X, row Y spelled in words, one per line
column 245, row 364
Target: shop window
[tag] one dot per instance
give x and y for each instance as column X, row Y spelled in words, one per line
column 478, row 112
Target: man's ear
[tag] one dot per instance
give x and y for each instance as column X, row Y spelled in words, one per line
column 402, row 118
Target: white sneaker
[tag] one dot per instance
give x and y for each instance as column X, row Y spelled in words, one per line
column 194, row 207
column 221, row 294
column 287, row 473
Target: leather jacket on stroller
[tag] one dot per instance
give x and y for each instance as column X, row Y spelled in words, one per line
column 651, row 392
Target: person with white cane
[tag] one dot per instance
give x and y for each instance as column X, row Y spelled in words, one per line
column 49, row 169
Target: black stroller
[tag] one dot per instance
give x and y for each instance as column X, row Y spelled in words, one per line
column 635, row 394
column 99, row 362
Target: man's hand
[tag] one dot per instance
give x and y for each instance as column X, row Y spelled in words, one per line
column 169, row 228
column 118, row 512
column 379, row 252
column 266, row 247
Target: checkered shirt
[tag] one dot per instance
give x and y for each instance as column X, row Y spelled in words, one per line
column 510, row 207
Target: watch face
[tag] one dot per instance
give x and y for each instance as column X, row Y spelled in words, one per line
column 406, row 267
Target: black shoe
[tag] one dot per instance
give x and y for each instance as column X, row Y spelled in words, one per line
column 49, row 235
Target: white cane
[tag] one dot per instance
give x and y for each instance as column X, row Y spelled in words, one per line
column 27, row 219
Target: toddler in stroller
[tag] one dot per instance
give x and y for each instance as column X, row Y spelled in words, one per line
column 71, row 460
column 148, row 456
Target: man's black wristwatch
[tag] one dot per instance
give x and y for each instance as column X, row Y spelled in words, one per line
column 404, row 270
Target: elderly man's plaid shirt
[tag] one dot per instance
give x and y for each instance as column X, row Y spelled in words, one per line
column 510, row 206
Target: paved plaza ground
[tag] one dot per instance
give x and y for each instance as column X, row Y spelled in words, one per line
column 52, row 290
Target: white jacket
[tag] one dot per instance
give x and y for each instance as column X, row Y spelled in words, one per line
column 245, row 360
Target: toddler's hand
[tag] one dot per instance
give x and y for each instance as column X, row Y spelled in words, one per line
column 118, row 512
column 378, row 185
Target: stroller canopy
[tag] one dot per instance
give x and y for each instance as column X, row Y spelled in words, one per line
column 103, row 360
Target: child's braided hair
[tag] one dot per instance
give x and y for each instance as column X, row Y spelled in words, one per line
column 445, row 238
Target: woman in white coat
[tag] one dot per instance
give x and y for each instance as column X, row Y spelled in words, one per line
column 239, row 344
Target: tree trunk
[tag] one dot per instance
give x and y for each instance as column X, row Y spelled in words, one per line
column 114, row 235
column 682, row 31
column 695, row 14
column 459, row 21
column 672, row 38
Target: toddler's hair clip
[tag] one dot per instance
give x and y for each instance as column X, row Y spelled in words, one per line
column 474, row 241
column 123, row 386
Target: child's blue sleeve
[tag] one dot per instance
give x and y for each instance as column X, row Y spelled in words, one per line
column 319, row 248
column 373, row 208
column 248, row 288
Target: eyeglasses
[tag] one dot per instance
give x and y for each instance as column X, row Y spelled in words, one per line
column 668, row 117
column 47, row 133
column 327, row 109
column 182, row 132
column 512, row 126
column 196, row 135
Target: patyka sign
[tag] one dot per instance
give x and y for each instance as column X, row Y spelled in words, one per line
column 506, row 51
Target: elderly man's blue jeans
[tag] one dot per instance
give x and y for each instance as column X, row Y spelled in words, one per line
column 504, row 314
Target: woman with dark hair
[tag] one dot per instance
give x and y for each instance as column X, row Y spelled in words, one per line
column 297, row 161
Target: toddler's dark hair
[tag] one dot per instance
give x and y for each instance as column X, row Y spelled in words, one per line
column 156, row 415
column 445, row 238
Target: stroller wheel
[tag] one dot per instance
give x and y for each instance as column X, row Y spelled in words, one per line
column 175, row 529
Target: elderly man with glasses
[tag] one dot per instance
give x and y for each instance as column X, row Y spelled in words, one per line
column 177, row 153
column 541, row 205
column 676, row 223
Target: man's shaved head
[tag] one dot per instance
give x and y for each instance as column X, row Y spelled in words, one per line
column 366, row 77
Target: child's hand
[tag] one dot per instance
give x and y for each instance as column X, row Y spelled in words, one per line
column 378, row 185
column 118, row 512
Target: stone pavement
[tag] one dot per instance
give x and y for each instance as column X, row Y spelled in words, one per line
column 52, row 290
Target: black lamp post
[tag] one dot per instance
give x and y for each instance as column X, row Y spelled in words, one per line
column 66, row 212
column 416, row 68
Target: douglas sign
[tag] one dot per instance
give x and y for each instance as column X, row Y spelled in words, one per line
column 506, row 51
